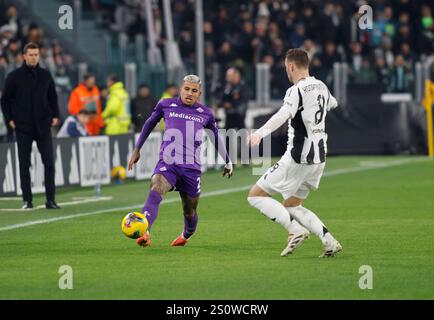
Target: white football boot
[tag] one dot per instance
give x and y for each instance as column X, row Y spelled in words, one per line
column 331, row 249
column 294, row 240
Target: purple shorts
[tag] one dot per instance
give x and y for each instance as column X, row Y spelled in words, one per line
column 182, row 179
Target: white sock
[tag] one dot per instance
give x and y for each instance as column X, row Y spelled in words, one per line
column 310, row 221
column 274, row 210
column 295, row 227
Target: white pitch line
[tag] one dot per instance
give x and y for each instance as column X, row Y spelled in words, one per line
column 207, row 194
column 379, row 165
column 69, row 203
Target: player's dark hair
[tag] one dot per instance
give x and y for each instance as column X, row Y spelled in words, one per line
column 30, row 45
column 299, row 57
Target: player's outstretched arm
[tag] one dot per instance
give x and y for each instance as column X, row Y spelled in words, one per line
column 272, row 124
column 219, row 144
column 149, row 125
column 134, row 158
column 254, row 139
column 332, row 102
column 288, row 110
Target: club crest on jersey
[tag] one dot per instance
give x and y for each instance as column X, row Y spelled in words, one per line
column 173, row 105
column 200, row 109
column 163, row 169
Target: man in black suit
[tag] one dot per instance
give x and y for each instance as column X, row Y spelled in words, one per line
column 30, row 107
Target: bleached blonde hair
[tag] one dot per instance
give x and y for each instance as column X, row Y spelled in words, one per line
column 192, row 78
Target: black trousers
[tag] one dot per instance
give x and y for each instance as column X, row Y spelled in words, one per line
column 45, row 147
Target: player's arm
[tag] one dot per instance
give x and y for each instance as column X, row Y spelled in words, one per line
column 288, row 110
column 147, row 128
column 220, row 146
column 332, row 103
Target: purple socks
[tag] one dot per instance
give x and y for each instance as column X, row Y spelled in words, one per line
column 190, row 226
column 150, row 209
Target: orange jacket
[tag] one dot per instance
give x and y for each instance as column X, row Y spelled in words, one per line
column 83, row 98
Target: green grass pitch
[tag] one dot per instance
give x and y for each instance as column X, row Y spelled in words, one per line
column 381, row 209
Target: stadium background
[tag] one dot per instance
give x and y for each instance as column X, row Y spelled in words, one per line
column 153, row 43
column 381, row 77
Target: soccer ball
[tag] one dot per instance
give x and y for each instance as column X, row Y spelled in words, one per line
column 134, row 225
column 118, row 174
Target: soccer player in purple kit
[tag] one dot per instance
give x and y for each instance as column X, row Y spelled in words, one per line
column 179, row 163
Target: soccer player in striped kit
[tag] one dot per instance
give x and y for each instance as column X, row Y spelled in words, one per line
column 305, row 107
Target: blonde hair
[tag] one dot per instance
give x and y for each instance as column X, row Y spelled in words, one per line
column 192, row 78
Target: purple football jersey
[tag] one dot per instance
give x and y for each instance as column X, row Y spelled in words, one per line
column 184, row 126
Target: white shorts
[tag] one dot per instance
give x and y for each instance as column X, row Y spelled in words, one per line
column 291, row 179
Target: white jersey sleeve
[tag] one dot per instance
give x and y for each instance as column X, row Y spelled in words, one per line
column 332, row 103
column 286, row 112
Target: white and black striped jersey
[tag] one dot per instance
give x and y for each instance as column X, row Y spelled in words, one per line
column 305, row 105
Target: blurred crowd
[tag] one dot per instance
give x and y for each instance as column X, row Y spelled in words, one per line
column 126, row 16
column 93, row 110
column 238, row 34
column 244, row 32
column 109, row 110
column 15, row 33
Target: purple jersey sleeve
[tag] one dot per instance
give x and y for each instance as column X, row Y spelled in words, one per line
column 149, row 125
column 219, row 144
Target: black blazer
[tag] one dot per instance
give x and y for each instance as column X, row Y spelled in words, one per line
column 30, row 99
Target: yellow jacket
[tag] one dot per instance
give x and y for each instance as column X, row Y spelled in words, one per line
column 116, row 118
column 165, row 95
